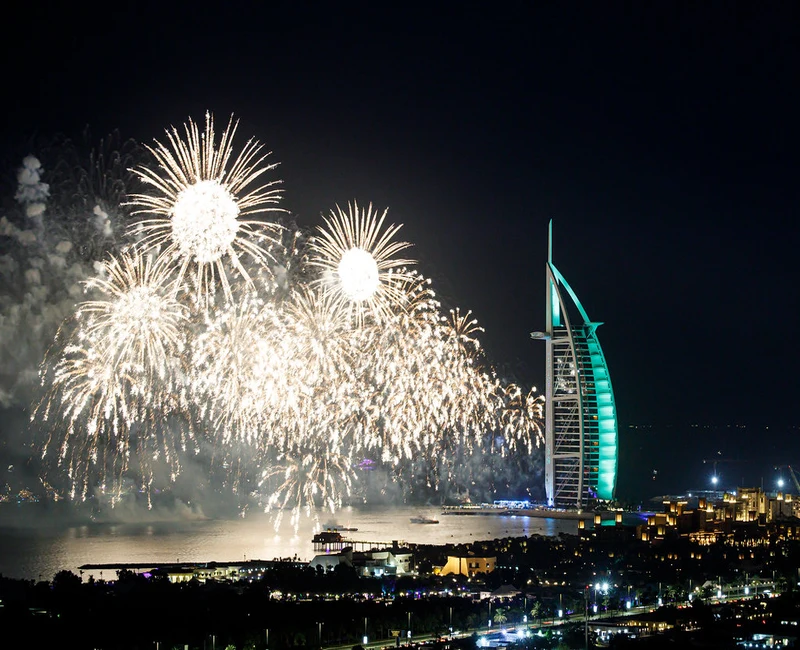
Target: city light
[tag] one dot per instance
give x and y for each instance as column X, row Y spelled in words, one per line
column 714, row 480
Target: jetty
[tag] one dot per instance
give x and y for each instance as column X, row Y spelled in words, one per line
column 330, row 541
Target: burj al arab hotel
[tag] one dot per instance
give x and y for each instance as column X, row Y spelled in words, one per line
column 580, row 414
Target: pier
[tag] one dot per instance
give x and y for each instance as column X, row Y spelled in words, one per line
column 333, row 542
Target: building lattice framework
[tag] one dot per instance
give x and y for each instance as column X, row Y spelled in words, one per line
column 580, row 413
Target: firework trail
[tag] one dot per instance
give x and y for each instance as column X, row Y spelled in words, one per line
column 304, row 481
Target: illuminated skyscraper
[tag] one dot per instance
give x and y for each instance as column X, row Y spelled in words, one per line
column 580, row 415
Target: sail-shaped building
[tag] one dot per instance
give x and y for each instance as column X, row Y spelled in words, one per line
column 580, row 414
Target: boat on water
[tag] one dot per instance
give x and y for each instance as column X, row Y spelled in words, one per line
column 338, row 528
column 423, row 520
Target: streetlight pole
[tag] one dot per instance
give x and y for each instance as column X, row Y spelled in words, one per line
column 586, row 617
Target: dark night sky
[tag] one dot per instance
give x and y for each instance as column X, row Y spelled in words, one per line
column 662, row 138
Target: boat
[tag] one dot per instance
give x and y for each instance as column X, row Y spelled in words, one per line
column 338, row 528
column 423, row 520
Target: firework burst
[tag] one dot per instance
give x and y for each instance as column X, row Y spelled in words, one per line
column 117, row 377
column 320, row 352
column 242, row 367
column 200, row 211
column 136, row 320
column 356, row 258
column 315, row 478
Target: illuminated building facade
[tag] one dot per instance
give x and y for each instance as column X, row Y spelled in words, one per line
column 580, row 414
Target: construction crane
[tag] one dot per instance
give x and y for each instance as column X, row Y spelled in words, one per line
column 714, row 461
column 793, row 474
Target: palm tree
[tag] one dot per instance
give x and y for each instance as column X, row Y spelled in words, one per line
column 536, row 611
column 500, row 617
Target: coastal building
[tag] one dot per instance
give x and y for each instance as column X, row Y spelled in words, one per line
column 393, row 561
column 329, row 561
column 580, row 413
column 467, row 564
column 374, row 563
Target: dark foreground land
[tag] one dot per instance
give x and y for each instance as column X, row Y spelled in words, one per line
column 674, row 594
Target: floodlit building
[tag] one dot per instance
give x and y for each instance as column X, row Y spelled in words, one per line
column 467, row 564
column 580, row 414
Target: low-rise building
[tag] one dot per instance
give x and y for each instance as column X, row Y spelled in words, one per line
column 467, row 564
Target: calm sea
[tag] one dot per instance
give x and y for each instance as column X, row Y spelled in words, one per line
column 40, row 552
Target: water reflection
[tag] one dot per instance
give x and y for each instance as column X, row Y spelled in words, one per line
column 28, row 553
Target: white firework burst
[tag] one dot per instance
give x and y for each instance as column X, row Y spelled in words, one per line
column 115, row 383
column 358, row 263
column 311, row 479
column 294, row 373
column 135, row 321
column 241, row 369
column 201, row 210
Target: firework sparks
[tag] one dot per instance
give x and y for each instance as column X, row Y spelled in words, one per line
column 116, row 372
column 319, row 354
column 136, row 320
column 200, row 209
column 314, row 479
column 356, row 258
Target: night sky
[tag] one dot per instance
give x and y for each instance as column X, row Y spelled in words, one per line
column 661, row 138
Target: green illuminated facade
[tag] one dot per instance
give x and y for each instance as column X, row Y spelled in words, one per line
column 580, row 415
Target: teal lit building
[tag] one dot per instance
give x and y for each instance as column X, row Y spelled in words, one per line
column 580, row 414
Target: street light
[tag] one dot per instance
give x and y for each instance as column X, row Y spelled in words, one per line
column 586, row 616
column 365, row 639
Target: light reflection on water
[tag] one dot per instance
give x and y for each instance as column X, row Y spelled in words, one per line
column 35, row 553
